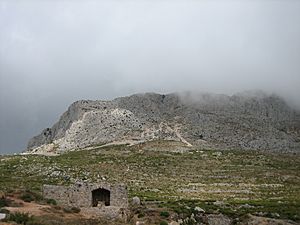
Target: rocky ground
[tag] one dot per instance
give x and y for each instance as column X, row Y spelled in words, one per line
column 38, row 211
column 175, row 183
column 243, row 121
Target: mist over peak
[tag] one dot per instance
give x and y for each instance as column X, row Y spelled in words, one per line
column 53, row 53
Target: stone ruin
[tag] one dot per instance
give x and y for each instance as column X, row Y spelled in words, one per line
column 98, row 199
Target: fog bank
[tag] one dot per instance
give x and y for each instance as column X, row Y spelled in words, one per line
column 55, row 52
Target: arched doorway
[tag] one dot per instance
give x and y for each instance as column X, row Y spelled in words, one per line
column 100, row 196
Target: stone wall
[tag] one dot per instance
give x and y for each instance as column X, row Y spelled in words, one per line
column 80, row 194
column 59, row 193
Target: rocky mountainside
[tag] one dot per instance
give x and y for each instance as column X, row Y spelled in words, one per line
column 250, row 120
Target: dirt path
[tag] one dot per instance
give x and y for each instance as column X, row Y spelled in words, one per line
column 176, row 130
column 31, row 208
column 35, row 209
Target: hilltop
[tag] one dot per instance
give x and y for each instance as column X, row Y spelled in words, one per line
column 248, row 121
column 186, row 157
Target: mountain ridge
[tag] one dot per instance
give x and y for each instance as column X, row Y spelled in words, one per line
column 248, row 120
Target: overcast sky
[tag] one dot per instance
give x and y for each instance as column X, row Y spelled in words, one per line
column 55, row 52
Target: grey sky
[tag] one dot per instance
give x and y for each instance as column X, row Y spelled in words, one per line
column 55, row 52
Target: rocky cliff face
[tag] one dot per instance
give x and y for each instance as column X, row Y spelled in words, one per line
column 244, row 121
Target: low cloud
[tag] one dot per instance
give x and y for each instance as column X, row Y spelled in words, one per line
column 55, row 52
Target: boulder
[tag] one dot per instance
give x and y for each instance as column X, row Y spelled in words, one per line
column 198, row 209
column 2, row 216
column 218, row 219
column 136, row 201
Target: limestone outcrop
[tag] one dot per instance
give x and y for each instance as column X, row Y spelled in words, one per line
column 250, row 120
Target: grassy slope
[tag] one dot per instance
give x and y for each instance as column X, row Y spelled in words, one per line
column 268, row 182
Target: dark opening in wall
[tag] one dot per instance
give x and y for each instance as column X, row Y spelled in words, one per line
column 100, row 197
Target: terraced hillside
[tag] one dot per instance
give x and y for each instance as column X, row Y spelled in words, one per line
column 172, row 175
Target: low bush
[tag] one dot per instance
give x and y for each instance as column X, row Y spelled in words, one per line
column 141, row 215
column 51, row 201
column 3, row 202
column 6, row 211
column 164, row 214
column 163, row 223
column 27, row 197
column 71, row 210
column 75, row 210
column 20, row 218
column 67, row 210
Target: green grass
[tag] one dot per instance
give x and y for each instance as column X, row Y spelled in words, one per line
column 268, row 182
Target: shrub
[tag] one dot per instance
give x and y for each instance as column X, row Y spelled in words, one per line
column 67, row 210
column 6, row 211
column 10, row 191
column 27, row 197
column 20, row 218
column 51, row 201
column 163, row 223
column 37, row 196
column 141, row 215
column 165, row 214
column 71, row 210
column 3, row 202
column 75, row 210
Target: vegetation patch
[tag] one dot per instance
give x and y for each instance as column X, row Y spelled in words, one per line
column 231, row 182
column 163, row 223
column 164, row 214
column 20, row 218
column 51, row 201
